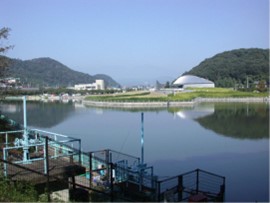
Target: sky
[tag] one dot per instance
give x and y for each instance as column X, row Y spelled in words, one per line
column 133, row 41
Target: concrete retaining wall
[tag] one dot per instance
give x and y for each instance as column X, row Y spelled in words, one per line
column 245, row 99
column 137, row 104
column 171, row 103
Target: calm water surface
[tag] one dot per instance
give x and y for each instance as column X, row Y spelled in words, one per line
column 230, row 139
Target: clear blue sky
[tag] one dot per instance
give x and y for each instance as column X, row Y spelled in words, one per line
column 133, row 41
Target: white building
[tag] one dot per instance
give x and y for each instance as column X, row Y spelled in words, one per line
column 98, row 85
column 192, row 81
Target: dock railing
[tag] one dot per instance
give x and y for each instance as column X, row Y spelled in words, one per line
column 62, row 144
column 120, row 176
column 183, row 187
column 59, row 146
column 113, row 174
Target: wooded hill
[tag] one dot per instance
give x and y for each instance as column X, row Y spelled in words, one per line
column 235, row 67
column 44, row 72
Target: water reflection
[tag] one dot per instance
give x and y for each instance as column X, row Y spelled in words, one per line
column 238, row 120
column 199, row 111
column 39, row 114
column 173, row 144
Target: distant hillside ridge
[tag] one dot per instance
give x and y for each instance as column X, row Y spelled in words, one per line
column 49, row 72
column 235, row 67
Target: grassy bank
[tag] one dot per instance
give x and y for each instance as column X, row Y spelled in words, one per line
column 215, row 93
column 145, row 96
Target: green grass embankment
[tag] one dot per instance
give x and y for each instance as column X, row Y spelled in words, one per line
column 145, row 96
column 138, row 96
column 215, row 93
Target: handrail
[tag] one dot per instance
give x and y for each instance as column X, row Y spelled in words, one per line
column 51, row 133
column 173, row 177
column 190, row 172
column 13, row 131
column 124, row 154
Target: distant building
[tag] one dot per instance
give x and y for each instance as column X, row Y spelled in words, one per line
column 9, row 82
column 100, row 84
column 192, row 81
column 159, row 85
column 97, row 85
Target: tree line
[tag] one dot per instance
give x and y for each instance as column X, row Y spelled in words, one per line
column 240, row 68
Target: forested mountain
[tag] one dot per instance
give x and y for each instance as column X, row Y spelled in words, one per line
column 49, row 72
column 235, row 67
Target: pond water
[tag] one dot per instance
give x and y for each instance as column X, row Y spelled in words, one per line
column 229, row 139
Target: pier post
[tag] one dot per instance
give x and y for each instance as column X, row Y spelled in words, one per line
column 80, row 153
column 90, row 170
column 197, row 181
column 47, row 169
column 180, row 188
column 142, row 138
column 158, row 191
column 36, row 138
column 25, row 134
column 5, row 158
column 141, row 169
column 111, row 180
column 221, row 196
column 6, row 140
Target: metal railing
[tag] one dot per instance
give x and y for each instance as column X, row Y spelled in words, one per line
column 184, row 186
column 113, row 174
column 59, row 146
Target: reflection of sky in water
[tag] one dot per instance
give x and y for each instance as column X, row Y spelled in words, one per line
column 197, row 112
column 175, row 145
column 166, row 136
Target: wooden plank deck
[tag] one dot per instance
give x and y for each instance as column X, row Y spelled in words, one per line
column 59, row 168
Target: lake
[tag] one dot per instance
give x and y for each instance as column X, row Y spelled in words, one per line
column 229, row 139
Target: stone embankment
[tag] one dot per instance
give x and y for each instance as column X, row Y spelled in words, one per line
column 137, row 104
column 45, row 98
column 171, row 103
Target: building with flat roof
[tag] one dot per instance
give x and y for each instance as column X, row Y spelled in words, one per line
column 100, row 84
column 97, row 85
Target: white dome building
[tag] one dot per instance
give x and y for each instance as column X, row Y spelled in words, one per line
column 192, row 81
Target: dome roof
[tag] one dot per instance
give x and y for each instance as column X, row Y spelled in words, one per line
column 191, row 79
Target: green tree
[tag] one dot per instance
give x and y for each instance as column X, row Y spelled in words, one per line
column 235, row 65
column 17, row 191
column 261, row 86
column 4, row 33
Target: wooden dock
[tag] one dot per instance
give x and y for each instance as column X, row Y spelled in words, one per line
column 34, row 172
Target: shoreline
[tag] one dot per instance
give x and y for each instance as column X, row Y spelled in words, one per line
column 168, row 104
column 147, row 104
column 137, row 104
